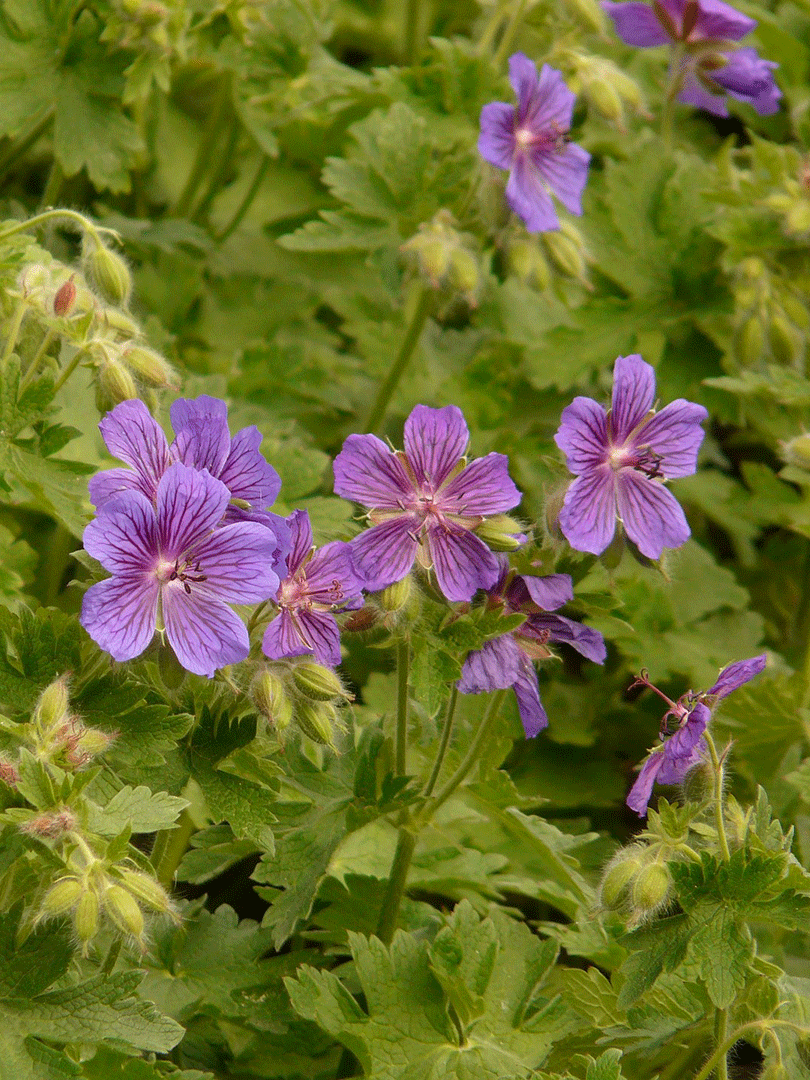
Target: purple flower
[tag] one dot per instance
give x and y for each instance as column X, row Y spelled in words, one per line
column 686, row 748
column 709, row 63
column 507, row 660
column 620, row 459
column 425, row 503
column 318, row 583
column 531, row 141
column 174, row 561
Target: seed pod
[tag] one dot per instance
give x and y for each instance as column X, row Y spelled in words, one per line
column 316, row 682
column 123, row 910
column 65, row 298
column 316, row 720
column 396, row 596
column 618, row 877
column 85, row 917
column 271, row 699
column 150, row 366
column 115, row 382
column 651, row 888
column 109, row 272
column 60, row 899
column 144, row 888
column 500, row 533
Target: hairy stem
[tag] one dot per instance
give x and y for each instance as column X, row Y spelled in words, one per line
column 406, row 351
column 470, row 757
column 246, row 202
column 68, row 370
column 169, row 848
column 14, row 330
column 445, row 742
column 403, row 676
column 751, row 1027
column 33, row 367
column 395, row 890
column 720, row 1036
column 718, row 796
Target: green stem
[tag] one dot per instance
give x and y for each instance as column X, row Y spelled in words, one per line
column 409, row 343
column 68, row 370
column 169, row 848
column 410, row 36
column 512, row 27
column 202, row 159
column 720, row 1036
column 225, row 163
column 802, row 626
column 48, row 215
column 13, row 331
column 21, row 146
column 674, row 87
column 490, row 30
column 403, row 676
column 34, row 365
column 446, row 732
column 112, row 955
column 395, row 890
column 246, row 202
column 470, row 757
column 53, row 186
column 718, row 796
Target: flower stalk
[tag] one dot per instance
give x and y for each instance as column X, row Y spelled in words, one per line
column 392, row 380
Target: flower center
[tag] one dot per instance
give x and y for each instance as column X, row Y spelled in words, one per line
column 554, row 137
column 642, row 458
column 185, row 570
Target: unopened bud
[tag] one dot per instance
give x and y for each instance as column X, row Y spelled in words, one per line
column 317, row 721
column 90, row 743
column 604, row 98
column 9, row 773
column 529, row 264
column 148, row 365
column 588, row 12
column 123, row 910
column 271, row 699
column 65, row 298
column 751, row 341
column 651, row 888
column 464, row 273
column 60, row 899
column 698, row 782
column 433, row 256
column 797, row 451
column 114, row 319
column 785, row 340
column 501, row 533
column 566, row 253
column 617, row 879
column 115, row 383
column 396, row 596
column 318, row 683
column 52, row 708
column 52, row 824
column 85, row 917
column 109, row 272
column 146, row 889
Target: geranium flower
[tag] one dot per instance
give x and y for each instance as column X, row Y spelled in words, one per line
column 425, row 503
column 708, row 62
column 507, row 660
column 175, row 562
column 531, row 141
column 318, row 584
column 621, row 459
column 686, row 747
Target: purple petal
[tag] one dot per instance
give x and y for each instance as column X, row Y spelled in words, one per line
column 300, row 540
column 588, row 516
column 495, row 666
column 544, row 103
column 717, row 21
column 735, row 675
column 496, row 143
column 119, row 614
column 675, row 769
column 367, row 472
column 132, row 434
column 566, row 173
column 636, row 24
column 675, row 433
column 483, row 487
column 681, row 744
column 331, row 578
column 321, row 633
column 588, row 642
column 633, row 396
column 527, row 195
column 385, row 553
column 111, row 482
column 282, row 638
column 236, row 561
column 749, row 78
column 582, row 435
column 274, row 522
column 186, row 410
column 641, row 791
column 532, row 714
column 203, row 631
column 462, row 563
column 694, row 93
column 203, row 444
column 246, row 474
column 652, row 516
column 550, row 591
column 189, row 505
column 435, row 441
column 124, row 537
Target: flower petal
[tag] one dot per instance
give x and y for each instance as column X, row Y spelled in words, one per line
column 582, row 435
column 105, row 485
column 735, row 675
column 588, row 515
column 124, row 537
column 132, row 434
column 550, row 591
column 274, row 522
column 694, row 93
column 186, row 410
column 681, row 744
column 203, row 444
column 119, row 614
column 331, row 578
column 321, row 632
column 676, row 434
column 749, row 78
column 385, row 553
column 462, row 563
column 717, row 21
column 189, row 505
column 246, row 474
column 435, row 441
column 282, row 638
column 652, row 516
column 587, row 641
column 496, row 143
column 565, row 171
column 527, row 195
column 203, row 631
column 495, row 666
column 300, row 540
column 636, row 24
column 544, row 100
column 236, row 562
column 371, row 474
column 633, row 396
column 532, row 714
column 481, row 488
column 641, row 791
column 674, row 770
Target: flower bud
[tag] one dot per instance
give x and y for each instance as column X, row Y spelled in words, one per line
column 114, row 319
column 123, row 910
column 146, row 889
column 60, row 898
column 115, row 382
column 90, row 743
column 785, row 340
column 651, row 888
column 51, row 825
column 618, row 876
column 150, row 366
column 316, row 682
column 750, row 345
column 52, row 708
column 9, row 773
column 433, row 257
column 85, row 917
column 65, row 298
column 797, row 451
column 464, row 274
column 588, row 12
column 109, row 272
column 567, row 251
column 501, row 533
column 527, row 263
column 396, row 596
column 271, row 699
column 317, row 721
column 604, row 98
column 698, row 783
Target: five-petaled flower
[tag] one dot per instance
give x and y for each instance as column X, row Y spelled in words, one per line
column 621, row 458
column 173, row 562
column 686, row 747
column 507, row 660
column 425, row 503
column 319, row 583
column 531, row 141
column 708, row 63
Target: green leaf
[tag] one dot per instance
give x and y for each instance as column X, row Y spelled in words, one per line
column 138, row 808
column 722, row 949
column 655, row 949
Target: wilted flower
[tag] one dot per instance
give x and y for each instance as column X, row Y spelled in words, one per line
column 531, row 141
column 318, row 584
column 621, row 459
column 686, row 747
column 708, row 62
column 175, row 561
column 507, row 660
column 424, row 504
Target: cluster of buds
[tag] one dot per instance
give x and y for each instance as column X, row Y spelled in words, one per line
column 793, row 201
column 535, row 259
column 147, row 26
column 772, row 322
column 446, row 258
column 303, row 691
column 607, row 89
column 637, row 883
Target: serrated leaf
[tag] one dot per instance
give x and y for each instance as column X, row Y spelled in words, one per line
column 137, row 808
column 723, row 949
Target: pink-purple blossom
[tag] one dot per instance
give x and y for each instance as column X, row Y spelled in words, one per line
column 707, row 64
column 319, row 583
column 175, row 564
column 686, row 747
column 507, row 661
column 531, row 141
column 621, row 459
column 425, row 503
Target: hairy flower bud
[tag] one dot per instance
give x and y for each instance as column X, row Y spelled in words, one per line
column 527, row 262
column 51, row 825
column 65, row 298
column 85, row 917
column 122, row 909
column 567, row 251
column 750, row 343
column 500, row 533
column 787, row 344
column 604, row 98
column 52, row 708
column 115, row 383
column 316, row 682
column 146, row 889
column 60, row 898
column 271, row 699
column 150, row 366
column 9, row 773
column 651, row 888
column 109, row 272
column 317, row 721
column 88, row 744
column 396, row 596
column 618, row 877
column 464, row 274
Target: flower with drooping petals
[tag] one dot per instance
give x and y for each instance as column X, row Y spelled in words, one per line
column 318, row 584
column 686, row 747
column 507, row 660
column 709, row 64
column 531, row 141
column 425, row 504
column 174, row 562
column 621, row 458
